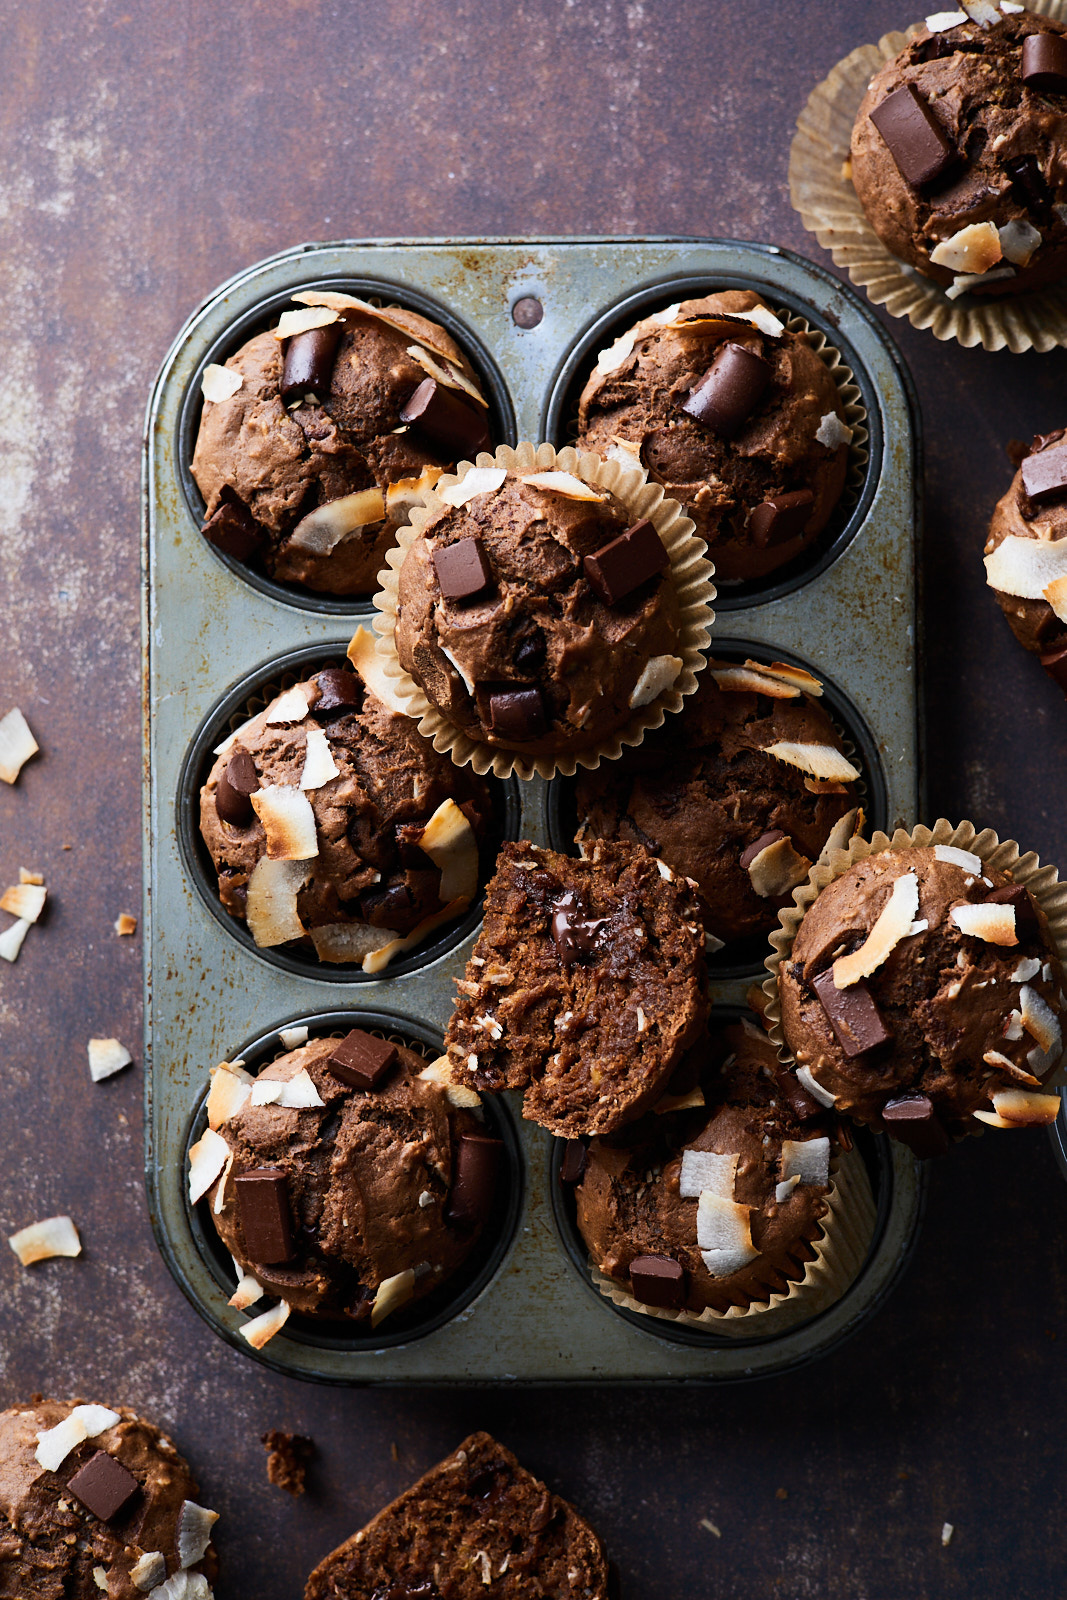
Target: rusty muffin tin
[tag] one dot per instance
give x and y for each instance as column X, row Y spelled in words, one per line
column 215, row 631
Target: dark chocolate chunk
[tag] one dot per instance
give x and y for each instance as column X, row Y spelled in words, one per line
column 658, row 1281
column 730, row 390
column 1045, row 474
column 474, row 1179
column 1028, row 185
column 239, row 780
column 913, row 136
column 624, row 564
column 853, row 1015
column 309, row 359
column 232, row 528
column 1016, row 895
column 263, row 1214
column 577, row 938
column 104, row 1486
column 517, row 714
column 339, row 691
column 782, row 518
column 527, row 311
column 1055, row 664
column 361, row 1060
column 760, row 844
column 449, row 425
column 530, row 652
column 572, row 1167
column 913, row 1120
column 383, row 908
column 462, row 569
column 1044, row 63
column 803, row 1105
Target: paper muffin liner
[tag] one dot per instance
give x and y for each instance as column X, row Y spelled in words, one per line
column 690, row 572
column 847, row 1229
column 830, row 208
column 1002, row 855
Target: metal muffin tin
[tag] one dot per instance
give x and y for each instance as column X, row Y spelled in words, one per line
column 212, row 631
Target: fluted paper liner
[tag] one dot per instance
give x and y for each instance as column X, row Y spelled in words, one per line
column 830, row 208
column 847, row 1230
column 690, row 573
column 1002, row 855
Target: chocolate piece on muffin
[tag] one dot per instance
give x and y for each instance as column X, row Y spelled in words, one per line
column 333, row 823
column 725, row 793
column 536, row 613
column 737, row 417
column 96, row 1499
column 340, row 1170
column 585, row 987
column 313, row 440
column 1026, row 551
column 715, row 1205
column 923, row 995
column 477, row 1522
column 958, row 152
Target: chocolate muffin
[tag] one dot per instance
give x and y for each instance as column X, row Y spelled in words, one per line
column 335, row 826
column 94, row 1499
column 315, row 436
column 717, row 1204
column 475, row 1522
column 1026, row 551
column 585, row 986
column 348, row 1180
column 735, row 415
column 923, row 996
column 724, row 793
column 535, row 613
column 959, row 151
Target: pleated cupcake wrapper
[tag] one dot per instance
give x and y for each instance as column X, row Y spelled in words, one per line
column 1002, row 855
column 830, row 208
column 847, row 1231
column 690, row 573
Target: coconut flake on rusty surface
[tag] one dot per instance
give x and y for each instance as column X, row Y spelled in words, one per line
column 658, row 675
column 319, row 765
column 974, row 249
column 266, row 1325
column 220, row 383
column 993, row 923
column 323, row 529
column 40, row 1241
column 125, row 925
column 448, row 839
column 291, row 323
column 777, row 869
column 11, row 939
column 207, row 1157
column 54, row 1445
column 817, row 760
column 806, row 1159
column 814, row 1088
column 291, row 706
column 893, row 924
column 288, row 821
column 476, row 480
column 107, row 1056
column 25, row 900
column 705, row 1171
column 17, row 745
column 564, row 483
column 194, row 1532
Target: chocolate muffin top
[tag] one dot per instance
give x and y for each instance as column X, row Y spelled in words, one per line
column 704, row 793
column 335, row 416
column 642, row 1194
column 517, row 630
column 737, row 417
column 104, row 1504
column 1034, row 509
column 959, row 152
column 956, row 1013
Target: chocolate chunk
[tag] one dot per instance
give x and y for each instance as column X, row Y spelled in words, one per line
column 577, row 938
column 658, row 1281
column 263, row 1214
column 1055, row 664
column 1028, row 186
column 913, row 136
column 232, row 528
column 239, row 780
column 1016, row 895
column 474, row 1180
column 572, row 1167
column 913, row 1121
column 1044, row 63
column 782, row 518
column 517, row 714
column 803, row 1105
column 361, row 1060
column 530, row 652
column 760, row 844
column 462, row 569
column 623, row 565
column 853, row 1015
column 339, row 691
column 730, row 390
column 383, row 908
column 449, row 426
column 527, row 311
column 309, row 359
column 104, row 1486
column 1045, row 474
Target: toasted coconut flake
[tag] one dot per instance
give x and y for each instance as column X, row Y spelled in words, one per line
column 266, row 1325
column 220, row 383
column 229, row 1094
column 448, row 839
column 627, row 454
column 25, row 876
column 704, row 1172
column 1018, row 241
column 377, row 960
column 724, row 1234
column 270, row 909
column 817, row 760
column 25, row 900
column 323, row 529
column 457, row 1094
column 125, row 925
column 468, row 681
column 678, row 1102
column 476, row 480
column 796, row 677
column 107, row 1056
column 966, row 860
column 1028, row 968
column 777, row 869
column 1039, row 1020
column 54, row 1445
column 995, row 1058
column 1056, row 595
column 1026, row 567
column 194, row 1532
column 814, row 1088
column 982, row 12
column 832, row 432
column 446, row 373
column 288, row 821
column 995, row 924
column 149, row 1569
column 611, row 359
column 339, row 942
column 319, row 765
column 941, row 21
column 371, row 668
column 660, row 672
column 965, row 281
column 54, row 1236
column 564, row 483
column 392, row 1293
column 292, row 706
column 842, row 831
column 973, row 250
column 293, row 1094
column 765, row 320
column 249, row 1290
column 1025, row 1108
column 807, row 1160
column 402, row 497
column 1013, row 1028
column 17, row 745
column 207, row 1157
column 11, row 939
column 894, row 924
column 292, row 1038
column 991, row 1119
column 218, row 1205
column 232, row 738
column 751, row 679
column 290, row 323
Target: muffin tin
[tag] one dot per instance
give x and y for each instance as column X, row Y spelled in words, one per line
column 215, row 633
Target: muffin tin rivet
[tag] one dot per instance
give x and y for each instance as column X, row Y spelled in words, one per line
column 527, row 311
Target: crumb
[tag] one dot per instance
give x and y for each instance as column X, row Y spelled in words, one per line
column 781, row 1494
column 125, row 924
column 903, row 1476
column 287, row 1459
column 705, row 1522
column 394, row 1452
column 947, row 1530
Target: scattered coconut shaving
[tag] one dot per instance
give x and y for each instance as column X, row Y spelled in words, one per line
column 17, row 745
column 392, row 1293
column 54, row 1445
column 941, row 21
column 1026, row 568
column 777, row 869
column 340, row 942
column 807, row 1160
column 24, row 900
column 149, row 1569
column 1056, row 595
column 448, row 839
column 270, row 909
column 628, row 455
column 894, row 923
column 817, row 760
column 377, row 960
column 968, row 280
column 564, row 483
column 194, row 1532
column 319, row 765
column 477, row 480
column 814, row 1088
column 248, row 1290
column 993, row 923
column 290, row 323
column 405, row 494
column 288, row 821
column 974, row 249
column 1018, row 241
column 1039, row 1020
column 1028, row 968
column 229, row 1093
column 107, row 1056
column 658, row 675
column 448, row 374
column 724, row 1234
column 291, row 706
column 125, row 925
column 678, row 1102
column 291, row 1094
column 611, row 359
column 220, row 383
column 982, row 12
column 323, row 529
column 371, row 668
column 54, row 1236
column 292, row 1038
column 207, row 1157
column 457, row 1094
column 705, row 1172
column 266, row 1325
column 11, row 939
column 751, row 679
column 966, row 860
column 832, row 432
column 1026, row 1108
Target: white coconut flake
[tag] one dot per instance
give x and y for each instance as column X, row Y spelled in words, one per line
column 238, row 733
column 777, row 869
column 340, row 942
column 292, row 1038
column 291, row 706
column 966, row 860
column 183, row 1586
column 753, row 679
column 1026, row 567
column 658, row 675
column 248, row 1290
column 288, row 821
column 319, row 765
column 84, row 1422
column 477, row 480
column 371, row 668
column 220, row 383
column 329, row 525
column 705, row 1172
column 207, row 1157
column 724, row 1231
column 973, row 250
column 815, row 1089
column 783, row 1190
column 149, row 1569
column 40, row 1241
column 392, row 1293
column 765, row 320
column 11, row 939
column 627, row 454
column 293, row 1094
column 808, row 1160
column 832, row 432
column 920, row 926
column 1039, row 1020
column 290, row 323
column 564, row 483
column 1026, row 1108
column 1018, row 241
column 445, row 372
column 194, row 1532
column 941, row 21
column 24, row 900
column 993, row 923
column 817, row 760
column 982, row 12
column 611, row 359
column 270, row 909
column 448, row 839
column 107, row 1056
column 17, row 745
column 266, row 1325
column 1028, row 968
column 893, row 924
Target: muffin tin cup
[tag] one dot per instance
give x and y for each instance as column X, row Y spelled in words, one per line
column 536, row 1317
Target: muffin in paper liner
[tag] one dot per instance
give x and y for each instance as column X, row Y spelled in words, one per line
column 690, row 573
column 1001, row 855
column 847, row 1231
column 829, row 207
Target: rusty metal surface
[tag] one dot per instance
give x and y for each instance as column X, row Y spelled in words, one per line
column 150, row 152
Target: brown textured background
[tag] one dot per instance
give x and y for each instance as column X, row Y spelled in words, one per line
column 147, row 152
